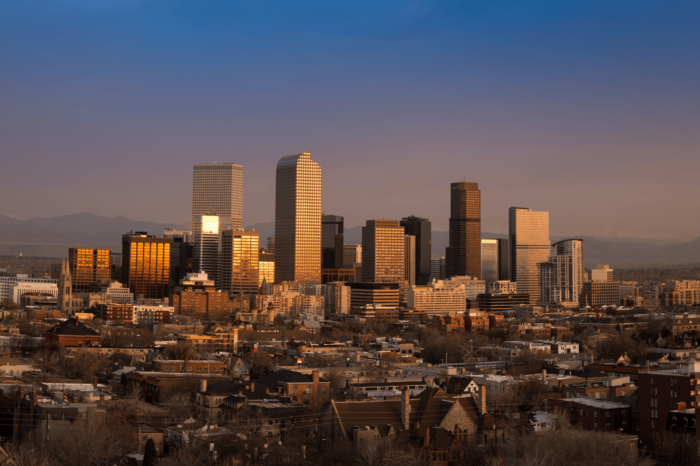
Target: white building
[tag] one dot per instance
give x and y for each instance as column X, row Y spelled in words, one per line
column 562, row 275
column 22, row 288
column 119, row 293
column 337, row 298
column 503, row 287
column 543, row 347
column 439, row 297
column 6, row 284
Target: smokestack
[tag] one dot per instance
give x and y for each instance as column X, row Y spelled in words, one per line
column 405, row 409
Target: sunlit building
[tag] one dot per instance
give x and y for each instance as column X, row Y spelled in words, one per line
column 239, row 261
column 409, row 263
column 529, row 247
column 463, row 255
column 88, row 266
column 146, row 265
column 266, row 263
column 207, row 230
column 298, row 219
column 563, row 274
column 217, row 189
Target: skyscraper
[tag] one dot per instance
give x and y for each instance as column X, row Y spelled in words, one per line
column 503, row 259
column 529, row 247
column 489, row 261
column 88, row 266
column 298, row 220
column 421, row 229
column 409, row 267
column 383, row 245
column 146, row 265
column 217, row 189
column 463, row 255
column 332, row 241
column 266, row 271
column 562, row 275
column 239, row 261
column 207, row 229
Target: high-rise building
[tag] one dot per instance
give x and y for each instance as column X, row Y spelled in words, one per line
column 217, row 189
column 529, row 247
column 562, row 275
column 181, row 259
column 271, row 245
column 207, row 229
column 464, row 252
column 298, row 220
column 438, row 269
column 600, row 293
column 331, row 241
column 439, row 297
column 88, row 266
column 503, row 259
column 376, row 294
column 337, row 298
column 146, row 265
column 409, row 264
column 352, row 255
column 489, row 260
column 383, row 252
column 421, row 229
column 239, row 261
column 266, row 262
column 601, row 273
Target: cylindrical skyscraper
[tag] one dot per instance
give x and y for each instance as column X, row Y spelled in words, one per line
column 298, row 220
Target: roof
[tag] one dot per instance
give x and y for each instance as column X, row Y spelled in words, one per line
column 72, row 327
column 284, row 376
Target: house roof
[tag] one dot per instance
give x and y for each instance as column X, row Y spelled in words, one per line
column 72, row 327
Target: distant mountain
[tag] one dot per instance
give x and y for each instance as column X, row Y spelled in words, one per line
column 51, row 237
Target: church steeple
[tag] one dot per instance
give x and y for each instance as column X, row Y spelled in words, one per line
column 65, row 288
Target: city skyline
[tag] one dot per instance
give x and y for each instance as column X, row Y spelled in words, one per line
column 398, row 99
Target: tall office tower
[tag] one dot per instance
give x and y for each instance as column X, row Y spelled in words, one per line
column 239, row 261
column 409, row 263
column 217, row 189
column 529, row 247
column 207, row 229
column 298, row 220
column 146, row 265
column 562, row 275
column 420, row 228
column 271, row 245
column 65, row 288
column 266, row 262
column 464, row 252
column 438, row 269
column 332, row 241
column 181, row 259
column 503, row 259
column 116, row 267
column 352, row 255
column 489, row 260
column 88, row 266
column 383, row 252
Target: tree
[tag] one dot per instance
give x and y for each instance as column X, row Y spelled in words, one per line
column 8, row 304
column 150, row 455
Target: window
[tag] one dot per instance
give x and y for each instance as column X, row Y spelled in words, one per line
column 144, row 437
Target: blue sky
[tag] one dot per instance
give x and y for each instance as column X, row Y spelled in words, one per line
column 586, row 109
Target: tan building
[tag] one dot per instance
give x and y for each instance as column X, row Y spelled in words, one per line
column 88, row 266
column 383, row 252
column 298, row 219
column 197, row 296
column 217, row 189
column 266, row 267
column 686, row 292
column 239, row 267
column 600, row 293
column 529, row 247
column 440, row 297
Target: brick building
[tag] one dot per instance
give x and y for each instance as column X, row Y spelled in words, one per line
column 448, row 325
column 73, row 333
column 115, row 312
column 591, row 414
column 477, row 322
column 190, row 366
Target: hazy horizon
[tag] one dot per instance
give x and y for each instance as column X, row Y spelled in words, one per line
column 587, row 110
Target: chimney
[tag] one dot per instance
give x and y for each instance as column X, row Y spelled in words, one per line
column 203, row 387
column 482, row 398
column 102, row 397
column 456, row 432
column 252, row 386
column 561, row 386
column 94, row 383
column 680, row 406
column 357, row 357
column 426, row 444
column 405, row 409
column 544, row 375
column 316, row 378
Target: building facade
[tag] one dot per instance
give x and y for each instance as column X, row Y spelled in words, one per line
column 88, row 266
column 420, row 228
column 217, row 189
column 563, row 274
column 332, row 252
column 383, row 252
column 529, row 247
column 266, row 267
column 239, row 271
column 440, row 297
column 207, row 232
column 146, row 265
column 352, row 255
column 409, row 264
column 463, row 255
column 298, row 219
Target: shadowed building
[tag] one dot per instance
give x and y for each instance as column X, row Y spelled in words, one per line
column 332, row 241
column 298, row 220
column 239, row 261
column 207, row 233
column 420, row 229
column 463, row 256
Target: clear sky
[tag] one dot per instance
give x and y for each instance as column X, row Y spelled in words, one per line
column 587, row 109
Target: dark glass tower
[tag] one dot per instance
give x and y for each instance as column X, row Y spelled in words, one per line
column 331, row 241
column 464, row 252
column 421, row 229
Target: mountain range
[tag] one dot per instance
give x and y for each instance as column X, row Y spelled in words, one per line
column 51, row 237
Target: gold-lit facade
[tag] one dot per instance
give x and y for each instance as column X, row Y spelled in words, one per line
column 207, row 229
column 217, row 189
column 88, row 266
column 298, row 220
column 463, row 256
column 146, row 265
column 529, row 247
column 239, row 261
column 383, row 246
column 267, row 267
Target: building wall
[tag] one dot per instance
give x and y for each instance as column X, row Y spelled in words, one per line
column 217, row 189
